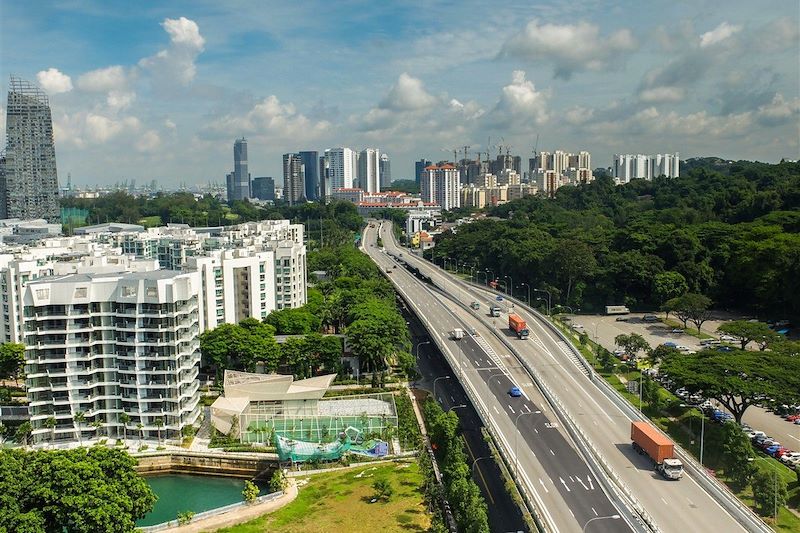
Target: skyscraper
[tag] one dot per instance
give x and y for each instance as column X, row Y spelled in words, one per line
column 440, row 184
column 342, row 167
column 263, row 188
column 419, row 168
column 369, row 169
column 293, row 178
column 310, row 161
column 238, row 181
column 385, row 172
column 28, row 177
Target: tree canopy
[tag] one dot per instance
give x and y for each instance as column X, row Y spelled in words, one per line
column 736, row 379
column 746, row 332
column 76, row 490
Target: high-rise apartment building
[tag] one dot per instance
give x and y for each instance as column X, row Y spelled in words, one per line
column 627, row 167
column 419, row 168
column 238, row 181
column 108, row 344
column 440, row 184
column 310, row 159
column 28, row 176
column 369, row 161
column 342, row 168
column 293, row 178
column 385, row 172
column 263, row 188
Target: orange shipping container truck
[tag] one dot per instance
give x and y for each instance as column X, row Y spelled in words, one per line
column 648, row 440
column 518, row 325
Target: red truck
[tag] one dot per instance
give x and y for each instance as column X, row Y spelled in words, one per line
column 518, row 325
column 649, row 441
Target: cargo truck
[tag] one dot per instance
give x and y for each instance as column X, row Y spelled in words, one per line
column 647, row 440
column 494, row 310
column 617, row 310
column 518, row 326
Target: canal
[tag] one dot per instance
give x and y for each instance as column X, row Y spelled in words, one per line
column 178, row 493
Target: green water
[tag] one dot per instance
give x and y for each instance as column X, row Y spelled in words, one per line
column 181, row 492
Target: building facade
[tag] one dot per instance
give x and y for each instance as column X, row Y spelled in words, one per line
column 627, row 167
column 440, row 185
column 385, row 172
column 111, row 344
column 369, row 179
column 342, row 167
column 28, row 176
column 294, row 186
column 419, row 168
column 263, row 188
column 238, row 181
column 310, row 160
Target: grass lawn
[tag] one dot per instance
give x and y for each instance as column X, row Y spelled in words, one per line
column 339, row 501
column 150, row 222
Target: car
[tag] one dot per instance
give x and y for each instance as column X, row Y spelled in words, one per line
column 756, row 434
column 621, row 319
column 388, row 270
column 683, row 348
column 577, row 326
column 724, row 349
column 678, row 331
column 514, row 392
column 650, row 318
column 767, row 443
column 790, row 456
column 792, row 418
column 670, row 344
column 772, row 450
column 475, row 305
column 797, row 422
column 728, row 338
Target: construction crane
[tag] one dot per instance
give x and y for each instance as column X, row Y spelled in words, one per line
column 536, row 150
column 466, row 148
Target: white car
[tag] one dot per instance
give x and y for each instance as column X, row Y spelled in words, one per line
column 682, row 348
column 577, row 326
column 790, row 458
column 728, row 338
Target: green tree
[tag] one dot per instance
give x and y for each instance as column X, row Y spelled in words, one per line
column 632, row 344
column 662, row 353
column 278, row 481
column 250, row 491
column 23, row 433
column 80, row 490
column 573, row 260
column 50, row 423
column 291, row 321
column 12, row 360
column 737, row 455
column 159, row 423
column 124, row 419
column 383, row 489
column 745, row 332
column 651, row 392
column 668, row 285
column 79, row 418
column 691, row 307
column 769, row 492
column 756, row 375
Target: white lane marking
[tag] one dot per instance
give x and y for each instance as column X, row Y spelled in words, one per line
column 582, row 483
column 565, row 484
column 528, row 408
column 552, row 452
column 512, row 409
column 495, row 409
column 795, row 438
column 543, row 486
column 589, row 479
column 452, row 399
column 663, row 500
column 595, row 512
column 536, row 430
column 538, row 412
column 572, row 479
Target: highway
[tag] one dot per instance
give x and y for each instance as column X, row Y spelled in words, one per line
column 566, row 491
column 678, row 506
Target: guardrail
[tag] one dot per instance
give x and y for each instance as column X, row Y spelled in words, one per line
column 711, row 485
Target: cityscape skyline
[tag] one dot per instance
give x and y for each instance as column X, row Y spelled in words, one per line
column 166, row 103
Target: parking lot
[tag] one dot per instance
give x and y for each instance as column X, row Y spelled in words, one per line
column 602, row 329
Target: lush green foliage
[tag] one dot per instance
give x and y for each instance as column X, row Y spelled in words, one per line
column 240, row 346
column 737, row 379
column 769, row 492
column 383, row 489
column 12, row 360
column 464, row 496
column 745, row 332
column 250, row 491
column 738, row 455
column 632, row 344
column 729, row 232
column 278, row 481
column 76, row 490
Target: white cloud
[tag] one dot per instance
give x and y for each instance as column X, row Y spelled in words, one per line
column 571, row 47
column 101, row 129
column 520, row 103
column 718, row 34
column 578, row 115
column 407, row 94
column 53, row 81
column 779, row 111
column 177, row 62
column 104, row 80
column 662, row 94
column 270, row 118
column 148, row 142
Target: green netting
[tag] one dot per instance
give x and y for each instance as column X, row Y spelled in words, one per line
column 350, row 440
column 315, row 428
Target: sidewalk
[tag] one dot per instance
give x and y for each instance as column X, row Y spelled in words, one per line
column 239, row 515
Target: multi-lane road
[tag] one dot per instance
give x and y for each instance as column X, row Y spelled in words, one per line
column 550, row 466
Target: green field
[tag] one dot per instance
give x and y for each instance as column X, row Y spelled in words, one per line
column 340, row 501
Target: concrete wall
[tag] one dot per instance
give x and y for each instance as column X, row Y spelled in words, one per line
column 245, row 466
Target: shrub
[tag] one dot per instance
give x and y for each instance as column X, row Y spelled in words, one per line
column 278, row 481
column 383, row 489
column 185, row 517
column 250, row 491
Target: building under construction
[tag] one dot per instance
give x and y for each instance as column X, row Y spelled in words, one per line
column 28, row 178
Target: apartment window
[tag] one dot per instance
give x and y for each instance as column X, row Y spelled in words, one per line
column 42, row 293
column 151, row 292
column 128, row 291
column 81, row 292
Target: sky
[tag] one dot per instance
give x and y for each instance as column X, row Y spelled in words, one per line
column 160, row 90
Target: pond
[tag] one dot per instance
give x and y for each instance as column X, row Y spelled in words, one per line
column 184, row 492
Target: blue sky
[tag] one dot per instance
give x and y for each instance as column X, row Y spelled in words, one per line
column 148, row 91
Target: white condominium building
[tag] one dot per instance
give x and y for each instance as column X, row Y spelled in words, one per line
column 107, row 344
column 440, row 184
column 342, row 167
column 369, row 165
column 627, row 167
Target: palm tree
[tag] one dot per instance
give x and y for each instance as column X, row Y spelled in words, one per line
column 139, row 427
column 96, row 425
column 124, row 419
column 159, row 423
column 23, row 433
column 79, row 418
column 51, row 423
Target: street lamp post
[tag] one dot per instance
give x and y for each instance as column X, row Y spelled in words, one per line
column 529, row 292
column 434, row 385
column 611, row 517
column 702, row 428
column 505, row 284
column 455, row 407
column 476, row 462
column 417, row 347
column 486, row 276
column 549, row 298
column 472, row 273
column 516, row 439
column 511, row 285
column 492, row 271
